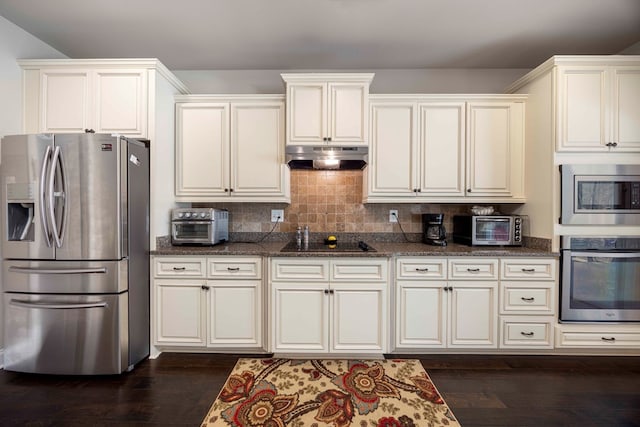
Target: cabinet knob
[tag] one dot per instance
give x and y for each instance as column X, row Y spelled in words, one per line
column 326, row 291
column 89, row 131
column 205, row 288
column 527, row 334
column 231, row 190
column 468, row 190
column 226, row 190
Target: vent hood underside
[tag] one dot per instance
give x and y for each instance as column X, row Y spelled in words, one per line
column 326, row 157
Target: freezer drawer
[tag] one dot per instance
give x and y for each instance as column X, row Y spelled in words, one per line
column 66, row 334
column 65, row 277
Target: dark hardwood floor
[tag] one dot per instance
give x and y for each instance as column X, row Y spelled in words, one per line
column 177, row 390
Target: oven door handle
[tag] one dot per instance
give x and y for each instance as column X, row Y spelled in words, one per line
column 599, row 254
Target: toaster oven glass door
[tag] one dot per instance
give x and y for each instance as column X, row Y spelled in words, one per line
column 493, row 230
column 192, row 231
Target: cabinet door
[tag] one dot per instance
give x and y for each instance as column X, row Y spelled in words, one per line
column 358, row 318
column 306, row 113
column 583, row 124
column 65, row 104
column 235, row 313
column 491, row 139
column 421, row 314
column 626, row 108
column 180, row 312
column 442, row 147
column 202, row 149
column 300, row 317
column 120, row 102
column 348, row 112
column 257, row 148
column 392, row 169
column 473, row 315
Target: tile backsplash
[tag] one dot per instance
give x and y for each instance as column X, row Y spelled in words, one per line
column 331, row 201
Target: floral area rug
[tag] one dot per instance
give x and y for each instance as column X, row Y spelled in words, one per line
column 338, row 393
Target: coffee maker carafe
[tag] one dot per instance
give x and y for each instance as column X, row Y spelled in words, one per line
column 433, row 231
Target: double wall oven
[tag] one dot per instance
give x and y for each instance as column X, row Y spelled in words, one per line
column 600, row 275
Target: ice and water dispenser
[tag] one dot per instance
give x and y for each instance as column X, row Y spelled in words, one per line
column 20, row 210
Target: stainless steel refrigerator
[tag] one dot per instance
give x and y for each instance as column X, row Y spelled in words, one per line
column 75, row 248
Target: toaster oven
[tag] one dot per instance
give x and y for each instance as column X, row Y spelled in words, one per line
column 488, row 230
column 199, row 226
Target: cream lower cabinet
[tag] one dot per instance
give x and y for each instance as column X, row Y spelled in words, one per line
column 528, row 300
column 207, row 303
column 230, row 149
column 328, row 305
column 446, row 303
column 445, row 149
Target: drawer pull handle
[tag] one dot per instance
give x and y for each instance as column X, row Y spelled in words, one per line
column 473, row 270
column 528, row 299
column 179, row 268
column 610, row 339
column 233, row 268
column 527, row 334
column 422, row 269
column 528, row 270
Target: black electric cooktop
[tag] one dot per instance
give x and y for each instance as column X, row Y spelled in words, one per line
column 321, row 247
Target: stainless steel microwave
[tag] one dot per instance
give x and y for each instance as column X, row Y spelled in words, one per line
column 487, row 230
column 600, row 194
column 199, row 226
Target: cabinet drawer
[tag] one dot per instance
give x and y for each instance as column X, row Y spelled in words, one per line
column 528, row 269
column 599, row 339
column 353, row 270
column 229, row 268
column 179, row 267
column 421, row 268
column 522, row 332
column 527, row 297
column 299, row 269
column 473, row 269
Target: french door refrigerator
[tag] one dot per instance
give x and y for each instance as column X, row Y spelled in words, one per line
column 75, row 249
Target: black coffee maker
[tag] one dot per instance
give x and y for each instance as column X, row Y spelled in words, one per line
column 433, row 231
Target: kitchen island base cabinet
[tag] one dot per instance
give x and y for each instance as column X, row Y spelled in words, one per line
column 328, row 306
column 207, row 304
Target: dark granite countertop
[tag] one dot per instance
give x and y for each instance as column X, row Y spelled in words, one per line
column 383, row 249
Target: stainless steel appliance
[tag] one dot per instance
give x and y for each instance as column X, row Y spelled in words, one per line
column 600, row 279
column 600, row 194
column 75, row 246
column 199, row 226
column 488, row 230
column 433, row 231
column 326, row 157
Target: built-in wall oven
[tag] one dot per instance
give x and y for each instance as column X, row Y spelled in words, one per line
column 600, row 279
column 600, row 194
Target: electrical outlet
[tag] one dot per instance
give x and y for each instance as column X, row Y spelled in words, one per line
column 393, row 215
column 277, row 215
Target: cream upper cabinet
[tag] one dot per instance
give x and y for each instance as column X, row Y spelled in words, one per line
column 230, row 149
column 598, row 108
column 327, row 108
column 445, row 149
column 105, row 100
column 495, row 149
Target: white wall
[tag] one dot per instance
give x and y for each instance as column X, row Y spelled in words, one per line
column 15, row 43
column 385, row 80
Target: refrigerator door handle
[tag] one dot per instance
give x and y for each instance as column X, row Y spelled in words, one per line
column 28, row 270
column 46, row 305
column 56, row 165
column 43, row 196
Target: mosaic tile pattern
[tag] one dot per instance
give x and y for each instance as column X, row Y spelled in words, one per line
column 331, row 202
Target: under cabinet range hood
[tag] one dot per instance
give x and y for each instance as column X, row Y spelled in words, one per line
column 326, row 157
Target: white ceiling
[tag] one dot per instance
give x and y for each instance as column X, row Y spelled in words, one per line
column 330, row 34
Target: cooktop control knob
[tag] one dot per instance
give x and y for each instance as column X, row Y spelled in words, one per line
column 203, row 215
column 187, row 214
column 180, row 214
